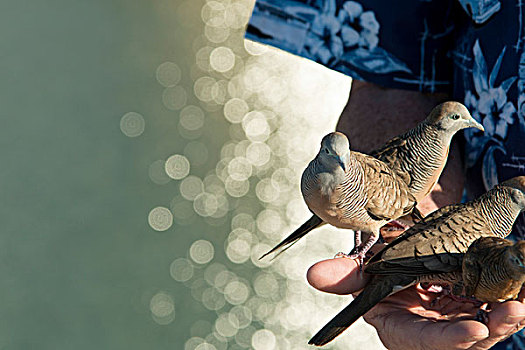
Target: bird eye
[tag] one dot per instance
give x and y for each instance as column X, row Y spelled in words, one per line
column 454, row 117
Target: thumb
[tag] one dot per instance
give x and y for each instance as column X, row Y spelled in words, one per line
column 337, row 276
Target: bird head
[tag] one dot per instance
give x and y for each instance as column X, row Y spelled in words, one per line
column 517, row 194
column 516, row 256
column 450, row 117
column 335, row 151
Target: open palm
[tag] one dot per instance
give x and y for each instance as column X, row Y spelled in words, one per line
column 416, row 318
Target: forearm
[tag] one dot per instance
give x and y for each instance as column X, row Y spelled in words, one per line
column 374, row 115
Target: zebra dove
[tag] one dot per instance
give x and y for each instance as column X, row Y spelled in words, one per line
column 420, row 154
column 417, row 156
column 432, row 251
column 352, row 190
column 493, row 269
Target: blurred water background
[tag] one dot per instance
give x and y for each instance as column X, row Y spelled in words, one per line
column 149, row 156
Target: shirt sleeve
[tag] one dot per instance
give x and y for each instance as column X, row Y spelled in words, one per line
column 402, row 44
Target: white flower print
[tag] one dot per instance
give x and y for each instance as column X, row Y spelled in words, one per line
column 368, row 21
column 350, row 36
column 492, row 109
column 351, row 9
column 358, row 28
column 325, row 44
column 360, row 37
column 368, row 39
column 343, row 36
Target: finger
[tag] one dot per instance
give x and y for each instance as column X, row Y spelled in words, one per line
column 459, row 334
column 401, row 329
column 504, row 320
column 338, row 276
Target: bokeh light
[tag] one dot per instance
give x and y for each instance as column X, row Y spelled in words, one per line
column 191, row 117
column 203, row 88
column 202, row 251
column 263, row 339
column 247, row 124
column 168, row 74
column 160, row 218
column 222, row 59
column 205, row 204
column 235, row 110
column 236, row 292
column 132, row 124
column 181, row 270
column 162, row 308
column 177, row 167
column 174, row 97
column 191, row 187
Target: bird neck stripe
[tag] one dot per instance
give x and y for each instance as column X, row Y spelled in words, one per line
column 498, row 211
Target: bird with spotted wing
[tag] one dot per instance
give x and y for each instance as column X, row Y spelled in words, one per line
column 417, row 156
column 493, row 270
column 353, row 190
column 432, row 251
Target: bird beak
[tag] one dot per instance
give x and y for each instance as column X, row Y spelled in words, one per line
column 473, row 123
column 341, row 163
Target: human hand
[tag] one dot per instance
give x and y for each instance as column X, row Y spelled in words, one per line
column 416, row 318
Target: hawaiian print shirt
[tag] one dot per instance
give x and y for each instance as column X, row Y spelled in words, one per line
column 472, row 49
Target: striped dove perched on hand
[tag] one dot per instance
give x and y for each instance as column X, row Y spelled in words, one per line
column 418, row 156
column 432, row 251
column 493, row 269
column 355, row 191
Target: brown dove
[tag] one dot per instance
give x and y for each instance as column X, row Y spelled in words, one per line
column 420, row 154
column 417, row 156
column 355, row 191
column 432, row 251
column 493, row 269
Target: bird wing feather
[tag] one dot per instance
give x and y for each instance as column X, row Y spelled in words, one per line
column 391, row 153
column 388, row 195
column 476, row 256
column 434, row 246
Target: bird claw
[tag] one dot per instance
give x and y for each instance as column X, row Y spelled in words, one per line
column 359, row 257
column 482, row 316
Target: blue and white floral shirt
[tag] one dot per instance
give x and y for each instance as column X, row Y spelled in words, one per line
column 472, row 49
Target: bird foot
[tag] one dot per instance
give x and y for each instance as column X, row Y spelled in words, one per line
column 432, row 288
column 482, row 316
column 358, row 255
column 442, row 290
column 354, row 256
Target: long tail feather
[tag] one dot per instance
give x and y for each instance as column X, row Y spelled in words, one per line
column 286, row 243
column 376, row 290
